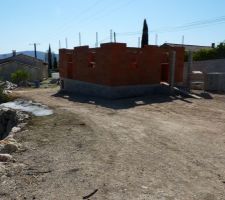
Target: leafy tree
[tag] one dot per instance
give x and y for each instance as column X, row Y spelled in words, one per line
column 207, row 54
column 20, row 77
column 144, row 40
column 221, row 50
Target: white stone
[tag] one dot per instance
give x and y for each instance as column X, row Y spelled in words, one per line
column 15, row 129
column 29, row 106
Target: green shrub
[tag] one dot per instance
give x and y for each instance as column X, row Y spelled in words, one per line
column 3, row 97
column 19, row 77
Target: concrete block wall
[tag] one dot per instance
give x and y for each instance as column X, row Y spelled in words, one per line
column 208, row 66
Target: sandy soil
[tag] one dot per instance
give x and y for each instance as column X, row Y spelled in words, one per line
column 138, row 149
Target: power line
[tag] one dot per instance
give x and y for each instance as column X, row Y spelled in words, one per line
column 192, row 25
column 80, row 20
column 187, row 26
column 76, row 17
column 106, row 12
column 98, row 14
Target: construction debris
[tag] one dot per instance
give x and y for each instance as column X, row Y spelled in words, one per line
column 91, row 194
column 10, row 86
column 7, row 85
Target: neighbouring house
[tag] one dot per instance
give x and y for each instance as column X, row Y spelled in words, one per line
column 115, row 70
column 188, row 47
column 37, row 69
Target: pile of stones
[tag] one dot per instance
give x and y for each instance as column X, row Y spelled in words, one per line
column 8, row 85
column 11, row 122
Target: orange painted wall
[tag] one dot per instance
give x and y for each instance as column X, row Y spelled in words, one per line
column 114, row 64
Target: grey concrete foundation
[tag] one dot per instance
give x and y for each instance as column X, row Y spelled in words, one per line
column 215, row 82
column 108, row 92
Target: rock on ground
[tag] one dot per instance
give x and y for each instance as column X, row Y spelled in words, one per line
column 9, row 119
column 5, row 157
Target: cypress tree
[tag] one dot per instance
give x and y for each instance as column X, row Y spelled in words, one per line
column 55, row 63
column 144, row 40
column 49, row 58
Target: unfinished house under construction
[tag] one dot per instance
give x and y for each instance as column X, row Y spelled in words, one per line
column 114, row 70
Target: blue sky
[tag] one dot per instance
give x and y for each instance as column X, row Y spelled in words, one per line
column 48, row 21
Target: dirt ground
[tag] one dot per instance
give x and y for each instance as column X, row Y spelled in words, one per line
column 143, row 148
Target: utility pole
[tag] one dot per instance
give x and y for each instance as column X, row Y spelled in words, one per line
column 35, row 48
column 79, row 39
column 156, row 39
column 59, row 44
column 114, row 37
column 96, row 44
column 172, row 69
column 189, row 68
column 66, row 43
column 111, row 35
column 182, row 40
column 139, row 42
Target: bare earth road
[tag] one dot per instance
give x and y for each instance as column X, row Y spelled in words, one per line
column 133, row 149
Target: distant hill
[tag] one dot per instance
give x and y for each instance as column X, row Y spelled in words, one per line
column 40, row 54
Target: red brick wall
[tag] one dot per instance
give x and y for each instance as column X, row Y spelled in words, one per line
column 66, row 64
column 114, row 64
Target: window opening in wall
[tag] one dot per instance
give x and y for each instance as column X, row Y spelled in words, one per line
column 92, row 60
column 134, row 64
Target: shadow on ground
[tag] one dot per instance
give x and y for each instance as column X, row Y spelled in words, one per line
column 204, row 95
column 124, row 103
